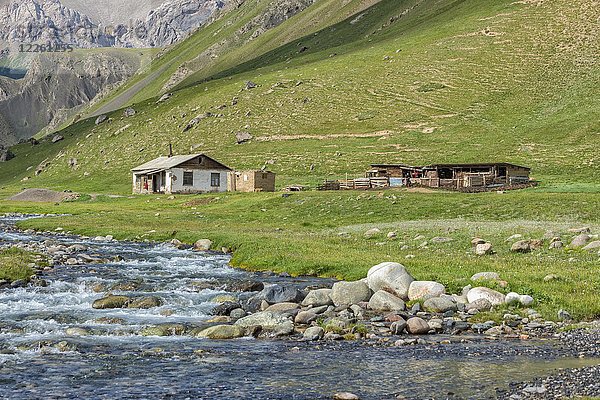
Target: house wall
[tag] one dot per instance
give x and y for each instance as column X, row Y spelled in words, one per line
column 201, row 181
column 252, row 181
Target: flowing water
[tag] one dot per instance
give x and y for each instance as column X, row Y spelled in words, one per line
column 38, row 359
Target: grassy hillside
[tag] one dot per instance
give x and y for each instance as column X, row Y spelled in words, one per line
column 420, row 82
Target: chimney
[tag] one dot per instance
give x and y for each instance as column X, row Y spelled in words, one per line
column 170, row 150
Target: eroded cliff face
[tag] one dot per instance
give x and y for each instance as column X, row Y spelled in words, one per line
column 57, row 84
column 54, row 88
column 49, row 21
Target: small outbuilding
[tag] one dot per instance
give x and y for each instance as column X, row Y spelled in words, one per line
column 192, row 173
column 251, row 181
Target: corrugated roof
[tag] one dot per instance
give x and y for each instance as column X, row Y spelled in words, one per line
column 164, row 163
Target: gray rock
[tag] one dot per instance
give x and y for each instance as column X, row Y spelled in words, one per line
column 313, row 333
column 164, row 97
column 203, row 245
column 423, row 290
column 283, row 307
column 348, row 293
column 281, row 294
column 592, row 246
column 495, row 298
column 584, row 229
column 439, row 305
column 526, row 300
column 317, row 298
column 417, row 326
column 57, row 138
column 372, row 233
column 250, row 85
column 345, row 396
column 513, row 299
column 237, row 313
column 145, row 302
column 551, row 277
column 481, row 304
column 558, row 244
column 522, row 246
column 129, row 112
column 222, row 332
column 439, row 239
column 225, row 308
column 483, row 249
column 267, row 320
column 580, row 240
column 486, row 276
column 243, row 137
column 101, row 118
column 398, row 327
column 111, row 302
column 78, row 331
column 384, row 301
column 305, row 317
column 391, row 277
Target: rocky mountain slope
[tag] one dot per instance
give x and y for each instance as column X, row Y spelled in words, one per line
column 55, row 86
column 64, row 90
column 49, row 21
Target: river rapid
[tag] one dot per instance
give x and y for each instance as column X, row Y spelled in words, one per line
column 39, row 359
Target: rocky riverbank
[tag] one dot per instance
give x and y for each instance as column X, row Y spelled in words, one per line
column 389, row 308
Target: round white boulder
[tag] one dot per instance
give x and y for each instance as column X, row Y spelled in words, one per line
column 391, row 277
column 423, row 290
column 494, row 297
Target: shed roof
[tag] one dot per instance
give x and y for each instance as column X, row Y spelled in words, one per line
column 163, row 163
column 475, row 165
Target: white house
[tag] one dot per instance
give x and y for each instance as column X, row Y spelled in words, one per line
column 192, row 173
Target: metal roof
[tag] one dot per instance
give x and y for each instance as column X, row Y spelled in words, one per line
column 433, row 166
column 475, row 165
column 163, row 163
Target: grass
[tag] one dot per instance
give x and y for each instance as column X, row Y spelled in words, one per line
column 14, row 264
column 300, row 234
column 399, row 81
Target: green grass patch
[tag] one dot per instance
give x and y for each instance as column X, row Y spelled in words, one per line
column 14, row 264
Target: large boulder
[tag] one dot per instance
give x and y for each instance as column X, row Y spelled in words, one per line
column 317, row 298
column 314, row 333
column 423, row 290
column 267, row 320
column 203, row 245
column 281, row 294
column 384, row 301
column 439, row 305
column 417, row 326
column 222, row 332
column 494, row 297
column 391, row 277
column 580, row 240
column 111, row 301
column 348, row 293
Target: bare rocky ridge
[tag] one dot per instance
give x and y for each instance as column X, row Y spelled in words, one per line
column 54, row 87
column 49, row 21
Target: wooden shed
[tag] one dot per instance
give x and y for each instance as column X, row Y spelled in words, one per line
column 251, row 181
column 192, row 173
column 454, row 176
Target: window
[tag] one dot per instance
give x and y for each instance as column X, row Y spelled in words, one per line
column 188, row 178
column 215, row 179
